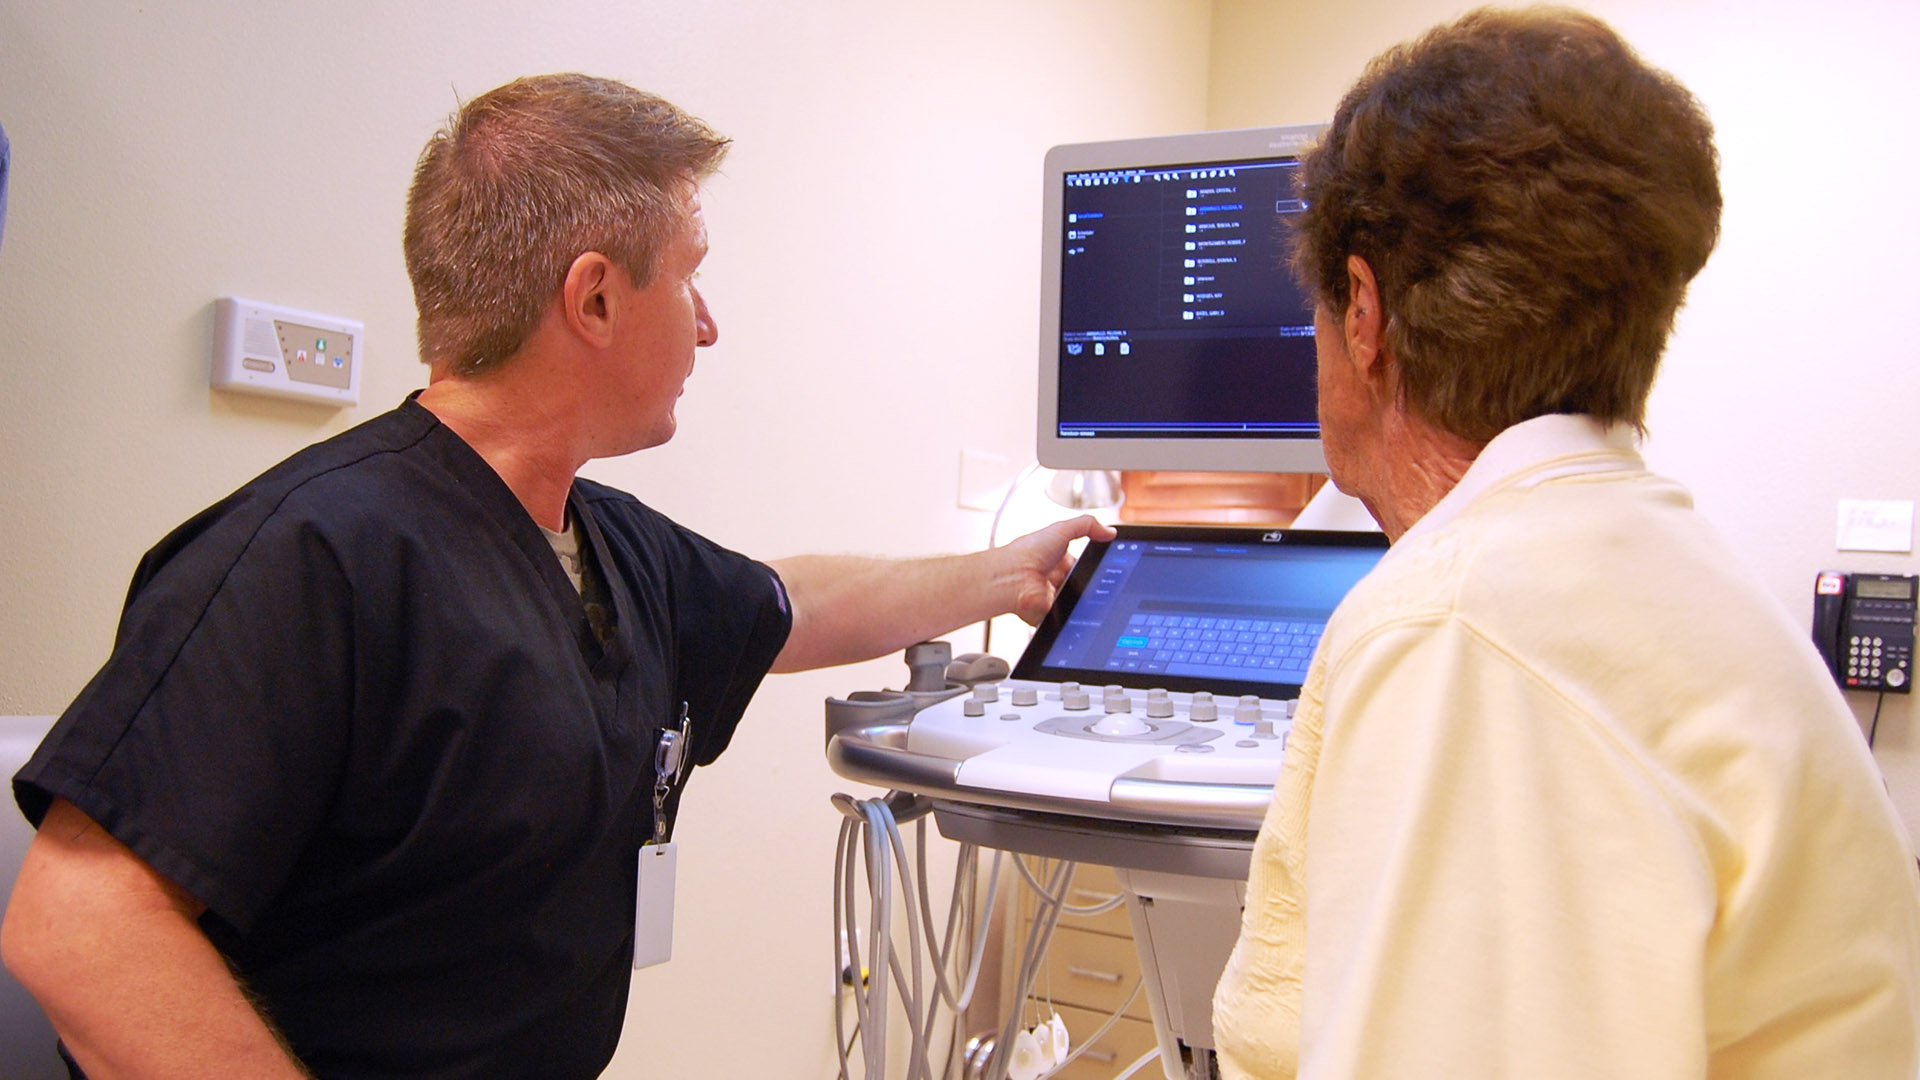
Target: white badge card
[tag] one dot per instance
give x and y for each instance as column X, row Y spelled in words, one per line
column 653, row 905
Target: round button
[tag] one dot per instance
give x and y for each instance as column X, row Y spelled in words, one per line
column 1896, row 678
column 1069, row 688
column 1076, row 700
column 986, row 692
column 1026, row 695
column 971, row 707
column 1203, row 710
column 1159, row 704
column 1192, row 748
column 1247, row 744
column 1010, row 716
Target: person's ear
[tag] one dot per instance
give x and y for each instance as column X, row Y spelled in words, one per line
column 1364, row 323
column 586, row 300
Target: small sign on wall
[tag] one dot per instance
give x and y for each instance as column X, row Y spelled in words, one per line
column 1875, row 525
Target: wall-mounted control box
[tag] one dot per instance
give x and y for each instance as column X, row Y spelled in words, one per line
column 284, row 352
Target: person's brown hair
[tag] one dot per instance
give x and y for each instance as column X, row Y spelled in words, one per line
column 1533, row 200
column 523, row 180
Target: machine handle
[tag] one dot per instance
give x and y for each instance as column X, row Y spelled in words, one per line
column 1112, row 977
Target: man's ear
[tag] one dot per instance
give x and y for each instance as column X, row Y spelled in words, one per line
column 586, row 301
column 1364, row 322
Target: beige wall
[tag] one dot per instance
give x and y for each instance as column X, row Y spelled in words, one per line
column 1791, row 382
column 874, row 275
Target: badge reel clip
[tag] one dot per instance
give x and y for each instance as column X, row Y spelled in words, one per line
column 653, row 901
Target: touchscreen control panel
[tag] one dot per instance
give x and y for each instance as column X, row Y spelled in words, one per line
column 1159, row 689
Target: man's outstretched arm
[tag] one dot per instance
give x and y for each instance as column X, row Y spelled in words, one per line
column 849, row 607
column 114, row 954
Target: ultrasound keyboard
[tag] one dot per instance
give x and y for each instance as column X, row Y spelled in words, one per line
column 1158, row 690
column 1206, row 646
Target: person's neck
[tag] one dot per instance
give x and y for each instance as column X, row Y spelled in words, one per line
column 1418, row 465
column 527, row 437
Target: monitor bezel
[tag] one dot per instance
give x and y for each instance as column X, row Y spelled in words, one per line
column 1031, row 665
column 1275, row 455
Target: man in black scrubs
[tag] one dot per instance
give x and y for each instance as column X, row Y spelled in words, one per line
column 360, row 790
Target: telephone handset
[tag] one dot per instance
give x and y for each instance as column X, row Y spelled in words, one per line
column 1863, row 625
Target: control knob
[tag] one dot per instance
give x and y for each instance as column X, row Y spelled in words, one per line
column 1202, row 709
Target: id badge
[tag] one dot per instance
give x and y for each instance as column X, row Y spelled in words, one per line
column 653, row 905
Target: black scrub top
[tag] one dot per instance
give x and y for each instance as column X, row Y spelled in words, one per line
column 359, row 711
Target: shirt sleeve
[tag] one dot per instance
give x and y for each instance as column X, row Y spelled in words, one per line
column 211, row 741
column 1495, row 886
column 730, row 622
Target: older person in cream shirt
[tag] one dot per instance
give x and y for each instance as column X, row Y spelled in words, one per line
column 1568, row 794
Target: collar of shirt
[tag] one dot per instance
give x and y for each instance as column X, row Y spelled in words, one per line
column 1532, row 451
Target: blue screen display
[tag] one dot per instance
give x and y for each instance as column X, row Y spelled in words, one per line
column 1184, row 613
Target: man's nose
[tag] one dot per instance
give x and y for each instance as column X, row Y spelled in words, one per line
column 707, row 329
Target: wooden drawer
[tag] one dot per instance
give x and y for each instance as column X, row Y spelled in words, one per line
column 1091, row 885
column 1118, row 1048
column 1095, row 971
column 1096, row 885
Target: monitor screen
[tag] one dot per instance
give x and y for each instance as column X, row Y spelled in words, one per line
column 1229, row 610
column 1172, row 333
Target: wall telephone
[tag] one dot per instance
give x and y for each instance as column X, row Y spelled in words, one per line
column 1863, row 625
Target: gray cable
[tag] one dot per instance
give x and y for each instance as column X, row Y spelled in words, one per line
column 1051, row 900
column 883, row 851
column 1112, row 1019
column 1100, row 908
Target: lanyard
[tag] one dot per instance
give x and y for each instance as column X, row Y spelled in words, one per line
column 669, row 766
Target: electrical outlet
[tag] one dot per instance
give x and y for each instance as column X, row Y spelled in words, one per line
column 843, row 969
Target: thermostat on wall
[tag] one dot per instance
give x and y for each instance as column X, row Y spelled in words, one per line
column 267, row 349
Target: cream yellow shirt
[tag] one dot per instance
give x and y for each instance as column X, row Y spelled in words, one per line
column 1568, row 795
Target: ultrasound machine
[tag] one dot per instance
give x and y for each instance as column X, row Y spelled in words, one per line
column 1144, row 725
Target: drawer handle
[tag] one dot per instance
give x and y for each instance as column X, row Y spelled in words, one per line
column 1104, row 1057
column 1112, row 977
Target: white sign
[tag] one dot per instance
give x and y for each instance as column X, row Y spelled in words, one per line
column 1875, row 525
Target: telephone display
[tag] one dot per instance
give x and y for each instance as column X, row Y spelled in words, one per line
column 1863, row 625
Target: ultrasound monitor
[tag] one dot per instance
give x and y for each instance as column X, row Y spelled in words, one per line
column 1172, row 335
